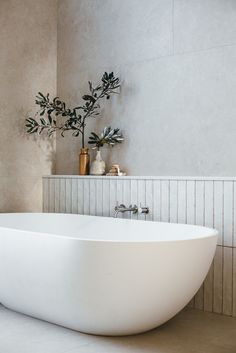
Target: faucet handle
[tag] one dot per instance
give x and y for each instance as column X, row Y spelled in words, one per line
column 121, row 207
column 143, row 210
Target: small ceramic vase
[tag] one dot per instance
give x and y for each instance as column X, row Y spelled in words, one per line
column 98, row 166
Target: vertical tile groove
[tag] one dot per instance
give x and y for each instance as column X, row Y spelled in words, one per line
column 169, row 201
column 223, row 242
column 232, row 234
column 177, row 211
column 213, row 225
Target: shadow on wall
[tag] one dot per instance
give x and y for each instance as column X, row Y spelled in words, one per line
column 45, row 144
column 27, row 157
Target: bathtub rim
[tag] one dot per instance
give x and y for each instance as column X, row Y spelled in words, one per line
column 211, row 232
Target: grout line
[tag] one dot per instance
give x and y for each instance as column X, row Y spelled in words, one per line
column 232, row 263
column 233, row 303
column 83, row 195
column 109, row 199
column 186, row 203
column 55, row 196
column 130, row 196
column 232, row 280
column 204, row 50
column 223, row 257
column 59, row 196
column 213, row 263
column 160, row 201
column 204, row 203
column 204, row 222
column 136, row 217
column 126, row 64
column 96, row 199
column 169, row 201
column 152, row 200
column 65, row 207
column 48, row 196
column 195, row 220
column 233, row 211
column 226, row 246
column 223, row 213
column 177, row 198
column 89, row 198
column 77, row 196
column 102, row 198
column 195, row 202
column 71, row 205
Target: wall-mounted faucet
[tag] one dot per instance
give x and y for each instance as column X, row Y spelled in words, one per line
column 132, row 208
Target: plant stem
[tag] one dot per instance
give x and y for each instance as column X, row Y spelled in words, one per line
column 83, row 136
column 86, row 115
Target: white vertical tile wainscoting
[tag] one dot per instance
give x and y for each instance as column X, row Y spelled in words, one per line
column 203, row 201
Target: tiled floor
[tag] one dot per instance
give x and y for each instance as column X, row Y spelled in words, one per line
column 191, row 331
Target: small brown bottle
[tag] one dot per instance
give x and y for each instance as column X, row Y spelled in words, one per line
column 84, row 161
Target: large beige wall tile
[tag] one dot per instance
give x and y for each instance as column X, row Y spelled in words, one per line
column 28, row 40
column 20, row 194
column 109, row 31
column 203, row 24
column 177, row 114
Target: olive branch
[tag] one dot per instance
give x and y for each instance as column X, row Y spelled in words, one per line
column 47, row 117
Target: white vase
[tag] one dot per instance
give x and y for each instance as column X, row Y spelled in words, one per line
column 98, row 166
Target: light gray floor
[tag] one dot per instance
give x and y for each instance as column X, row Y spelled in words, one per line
column 191, row 331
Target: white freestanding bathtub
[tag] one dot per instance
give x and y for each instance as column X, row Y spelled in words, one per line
column 99, row 275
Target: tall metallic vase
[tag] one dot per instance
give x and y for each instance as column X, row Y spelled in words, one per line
column 84, row 161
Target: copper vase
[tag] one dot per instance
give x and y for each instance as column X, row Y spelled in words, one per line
column 84, row 161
